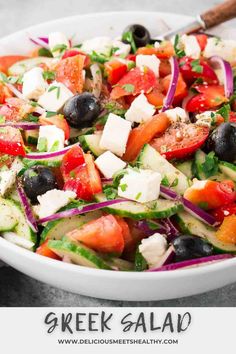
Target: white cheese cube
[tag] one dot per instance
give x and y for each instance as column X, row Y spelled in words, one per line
column 52, row 201
column 191, row 47
column 177, row 114
column 150, row 61
column 34, row 84
column 153, row 248
column 53, row 138
column 140, row 110
column 108, row 164
column 7, row 180
column 206, row 118
column 115, row 134
column 55, row 97
column 141, row 186
column 100, row 45
column 226, row 49
column 123, row 49
column 57, row 41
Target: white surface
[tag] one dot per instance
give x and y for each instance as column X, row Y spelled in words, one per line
column 98, row 283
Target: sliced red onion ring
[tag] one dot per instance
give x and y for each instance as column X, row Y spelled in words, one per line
column 16, row 92
column 22, row 125
column 192, row 262
column 219, row 63
column 166, row 259
column 144, row 226
column 40, row 41
column 97, row 79
column 172, row 232
column 173, row 84
column 77, row 211
column 48, row 155
column 189, row 207
column 27, row 208
column 107, row 180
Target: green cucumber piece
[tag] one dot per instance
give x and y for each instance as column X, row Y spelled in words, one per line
column 228, row 169
column 22, row 228
column 8, row 220
column 199, row 159
column 149, row 158
column 56, row 229
column 186, row 168
column 140, row 262
column 31, row 136
column 90, row 143
column 157, row 209
column 20, row 67
column 78, row 253
column 119, row 264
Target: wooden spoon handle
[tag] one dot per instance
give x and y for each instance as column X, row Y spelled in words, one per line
column 219, row 14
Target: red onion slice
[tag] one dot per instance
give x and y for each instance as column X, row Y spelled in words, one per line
column 192, row 263
column 48, row 155
column 16, row 92
column 97, row 79
column 173, row 84
column 82, row 210
column 27, row 208
column 144, row 226
column 22, row 125
column 40, row 41
column 219, row 63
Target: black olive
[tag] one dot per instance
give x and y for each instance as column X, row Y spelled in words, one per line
column 37, row 180
column 81, row 110
column 190, row 247
column 140, row 35
column 223, row 142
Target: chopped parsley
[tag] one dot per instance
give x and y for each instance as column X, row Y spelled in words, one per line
column 174, row 183
column 59, row 48
column 55, row 146
column 49, row 75
column 110, row 192
column 123, row 187
column 3, row 77
column 43, row 52
column 117, row 177
column 32, row 174
column 138, row 196
column 210, row 165
column 42, row 145
column 224, row 111
column 127, row 37
column 31, row 118
column 52, row 88
column 113, row 107
column 2, row 119
column 179, row 52
column 128, row 88
column 50, row 114
column 203, row 205
column 99, row 58
column 165, row 182
column 196, row 66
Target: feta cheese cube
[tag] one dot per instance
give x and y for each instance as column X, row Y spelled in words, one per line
column 191, row 46
column 141, row 186
column 177, row 115
column 123, row 49
column 206, row 118
column 108, row 164
column 34, row 84
column 55, row 40
column 53, row 200
column 150, row 61
column 140, row 110
column 51, row 138
column 226, row 49
column 100, row 45
column 7, row 180
column 55, row 97
column 153, row 248
column 115, row 134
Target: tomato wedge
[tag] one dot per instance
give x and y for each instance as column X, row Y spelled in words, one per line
column 222, row 212
column 11, row 141
column 134, row 82
column 78, row 182
column 208, row 97
column 69, row 72
column 15, row 109
column 72, row 159
column 4, row 93
column 59, row 121
column 43, row 250
column 144, row 133
column 194, row 69
column 7, row 61
column 181, row 88
column 102, row 235
column 94, row 176
column 211, row 194
column 181, row 140
column 202, row 40
column 125, row 230
column 115, row 70
column 164, row 51
column 73, row 52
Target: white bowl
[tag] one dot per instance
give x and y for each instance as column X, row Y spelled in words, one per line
column 101, row 283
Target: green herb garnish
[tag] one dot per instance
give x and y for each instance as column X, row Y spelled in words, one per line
column 49, row 75
column 127, row 37
column 128, row 88
column 196, row 66
column 42, row 145
column 179, row 52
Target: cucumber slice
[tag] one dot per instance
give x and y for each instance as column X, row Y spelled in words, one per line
column 31, row 136
column 199, row 159
column 228, row 169
column 22, row 66
column 188, row 224
column 186, row 168
column 119, row 264
column 56, row 229
column 22, row 229
column 149, row 158
column 8, row 220
column 78, row 253
column 158, row 209
column 91, row 142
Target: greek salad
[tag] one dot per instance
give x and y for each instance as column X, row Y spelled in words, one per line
column 120, row 154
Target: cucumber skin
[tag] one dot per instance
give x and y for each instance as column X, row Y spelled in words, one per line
column 14, row 224
column 64, row 246
column 230, row 166
column 96, row 151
